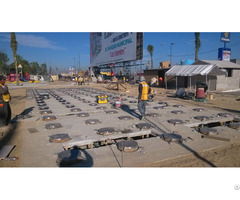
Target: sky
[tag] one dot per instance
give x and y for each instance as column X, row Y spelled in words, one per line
column 62, row 49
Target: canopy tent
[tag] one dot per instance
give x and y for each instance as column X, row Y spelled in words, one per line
column 192, row 70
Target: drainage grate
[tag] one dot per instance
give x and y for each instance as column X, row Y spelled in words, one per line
column 177, row 112
column 144, row 126
column 235, row 125
column 92, row 121
column 83, row 114
column 45, row 112
column 175, row 121
column 199, row 109
column 153, row 115
column 76, row 110
column 111, row 111
column 49, row 118
column 127, row 146
column 208, row 131
column 53, row 126
column 202, row 118
column 125, row 118
column 57, row 138
column 224, row 115
column 106, row 131
column 69, row 157
column 172, row 137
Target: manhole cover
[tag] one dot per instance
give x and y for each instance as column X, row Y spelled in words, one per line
column 57, row 138
column 125, row 118
column 153, row 115
column 42, row 104
column 53, row 126
column 144, row 126
column 83, row 114
column 106, row 131
column 69, row 157
column 49, row 118
column 111, row 111
column 76, row 110
column 127, row 146
column 101, row 108
column 45, row 112
column 92, row 121
column 235, row 125
column 126, row 131
column 177, row 112
column 175, row 121
column 172, row 137
column 202, row 118
column 199, row 109
column 208, row 131
column 178, row 106
column 92, row 104
column 43, row 107
column 70, row 106
column 224, row 115
column 159, row 107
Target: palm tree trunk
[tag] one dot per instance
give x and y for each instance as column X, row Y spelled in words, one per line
column 151, row 62
column 16, row 67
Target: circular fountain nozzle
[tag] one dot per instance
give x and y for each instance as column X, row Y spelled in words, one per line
column 42, row 104
column 178, row 106
column 106, row 131
column 177, row 112
column 159, row 107
column 92, row 104
column 172, row 137
column 92, row 121
column 208, row 131
column 175, row 121
column 43, row 107
column 164, row 103
column 83, row 114
column 69, row 157
column 199, row 109
column 144, row 126
column 133, row 101
column 45, row 112
column 101, row 108
column 53, row 126
column 40, row 101
column 127, row 146
column 153, row 115
column 49, row 118
column 76, row 110
column 224, row 115
column 111, row 111
column 125, row 118
column 202, row 118
column 57, row 138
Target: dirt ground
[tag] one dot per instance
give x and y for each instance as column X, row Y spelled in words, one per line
column 224, row 156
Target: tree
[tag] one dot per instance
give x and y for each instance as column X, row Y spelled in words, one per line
column 3, row 62
column 150, row 49
column 14, row 50
column 35, row 68
column 43, row 70
column 197, row 45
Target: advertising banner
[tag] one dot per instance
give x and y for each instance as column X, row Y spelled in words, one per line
column 109, row 47
column 224, row 54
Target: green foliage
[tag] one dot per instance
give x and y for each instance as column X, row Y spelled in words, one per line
column 3, row 63
column 197, row 44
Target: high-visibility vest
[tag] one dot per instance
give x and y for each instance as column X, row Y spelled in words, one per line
column 145, row 89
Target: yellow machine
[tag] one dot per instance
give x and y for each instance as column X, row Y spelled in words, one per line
column 102, row 99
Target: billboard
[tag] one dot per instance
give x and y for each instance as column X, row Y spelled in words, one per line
column 110, row 47
column 224, row 54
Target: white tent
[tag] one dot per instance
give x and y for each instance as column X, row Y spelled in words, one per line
column 192, row 70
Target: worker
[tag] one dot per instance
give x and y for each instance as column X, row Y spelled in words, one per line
column 152, row 94
column 5, row 98
column 160, row 81
column 143, row 90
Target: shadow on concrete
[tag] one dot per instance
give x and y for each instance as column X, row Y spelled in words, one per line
column 77, row 158
column 7, row 132
column 23, row 115
column 182, row 145
column 126, row 108
column 229, row 110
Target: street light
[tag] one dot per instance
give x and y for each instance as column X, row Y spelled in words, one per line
column 171, row 53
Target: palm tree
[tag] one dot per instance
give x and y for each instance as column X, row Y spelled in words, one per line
column 150, row 49
column 197, row 45
column 14, row 49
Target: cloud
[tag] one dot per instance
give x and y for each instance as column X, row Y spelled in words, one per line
column 31, row 40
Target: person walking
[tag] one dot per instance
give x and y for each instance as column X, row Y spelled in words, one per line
column 5, row 98
column 143, row 91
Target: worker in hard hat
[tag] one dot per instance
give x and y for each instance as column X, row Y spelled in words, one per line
column 144, row 90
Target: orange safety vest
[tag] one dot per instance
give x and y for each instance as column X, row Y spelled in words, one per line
column 145, row 89
column 6, row 97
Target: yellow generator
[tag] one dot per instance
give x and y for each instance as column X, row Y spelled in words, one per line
column 102, row 99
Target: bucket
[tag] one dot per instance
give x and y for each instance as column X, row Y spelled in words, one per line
column 117, row 104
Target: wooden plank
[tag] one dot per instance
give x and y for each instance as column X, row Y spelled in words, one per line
column 79, row 143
